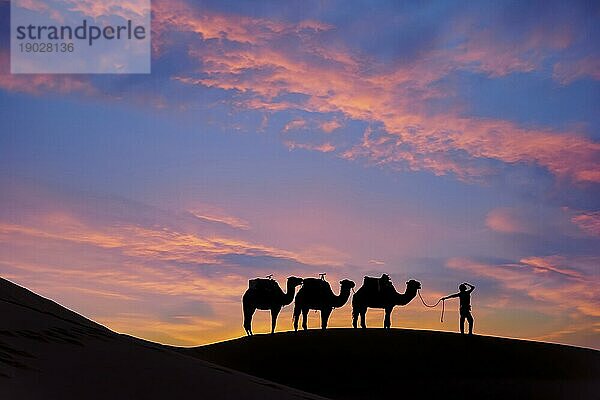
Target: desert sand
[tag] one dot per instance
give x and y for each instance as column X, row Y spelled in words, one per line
column 382, row 364
column 48, row 352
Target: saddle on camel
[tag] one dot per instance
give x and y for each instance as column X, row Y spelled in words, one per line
column 378, row 285
column 267, row 284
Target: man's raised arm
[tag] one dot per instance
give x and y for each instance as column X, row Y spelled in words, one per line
column 451, row 296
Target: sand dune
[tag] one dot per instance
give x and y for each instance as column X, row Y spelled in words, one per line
column 380, row 364
column 49, row 352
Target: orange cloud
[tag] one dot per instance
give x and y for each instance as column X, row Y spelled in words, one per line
column 179, row 16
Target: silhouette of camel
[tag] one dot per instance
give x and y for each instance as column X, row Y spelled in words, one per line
column 380, row 293
column 265, row 294
column 316, row 294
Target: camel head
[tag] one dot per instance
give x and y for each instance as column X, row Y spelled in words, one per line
column 294, row 281
column 347, row 283
column 414, row 285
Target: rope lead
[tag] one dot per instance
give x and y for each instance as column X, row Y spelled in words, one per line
column 435, row 305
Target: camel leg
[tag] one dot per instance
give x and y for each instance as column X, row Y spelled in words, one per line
column 274, row 314
column 325, row 317
column 354, row 317
column 305, row 318
column 363, row 318
column 387, row 322
column 248, row 313
column 296, row 316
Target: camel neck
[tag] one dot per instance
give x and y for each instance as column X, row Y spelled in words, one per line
column 288, row 296
column 403, row 299
column 341, row 299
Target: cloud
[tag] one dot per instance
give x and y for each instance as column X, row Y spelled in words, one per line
column 323, row 148
column 559, row 282
column 312, row 125
column 506, row 220
column 214, row 214
column 41, row 7
column 330, row 126
column 129, row 9
column 394, row 98
column 568, row 71
column 37, row 84
column 149, row 243
column 264, row 61
column 179, row 16
column 104, row 256
column 589, row 222
column 498, row 53
column 294, row 124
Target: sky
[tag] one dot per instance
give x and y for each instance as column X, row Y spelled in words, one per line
column 439, row 141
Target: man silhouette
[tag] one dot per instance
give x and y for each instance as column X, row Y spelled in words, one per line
column 465, row 305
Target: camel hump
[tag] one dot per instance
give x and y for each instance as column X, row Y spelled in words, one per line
column 263, row 284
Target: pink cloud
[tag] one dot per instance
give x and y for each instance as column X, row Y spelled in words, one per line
column 37, row 84
column 333, row 81
column 179, row 16
column 104, row 264
column 556, row 281
column 566, row 72
column 294, row 124
column 506, row 220
column 589, row 222
column 323, row 148
column 488, row 52
column 41, row 7
column 128, row 9
column 146, row 243
column 214, row 214
column 330, row 126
